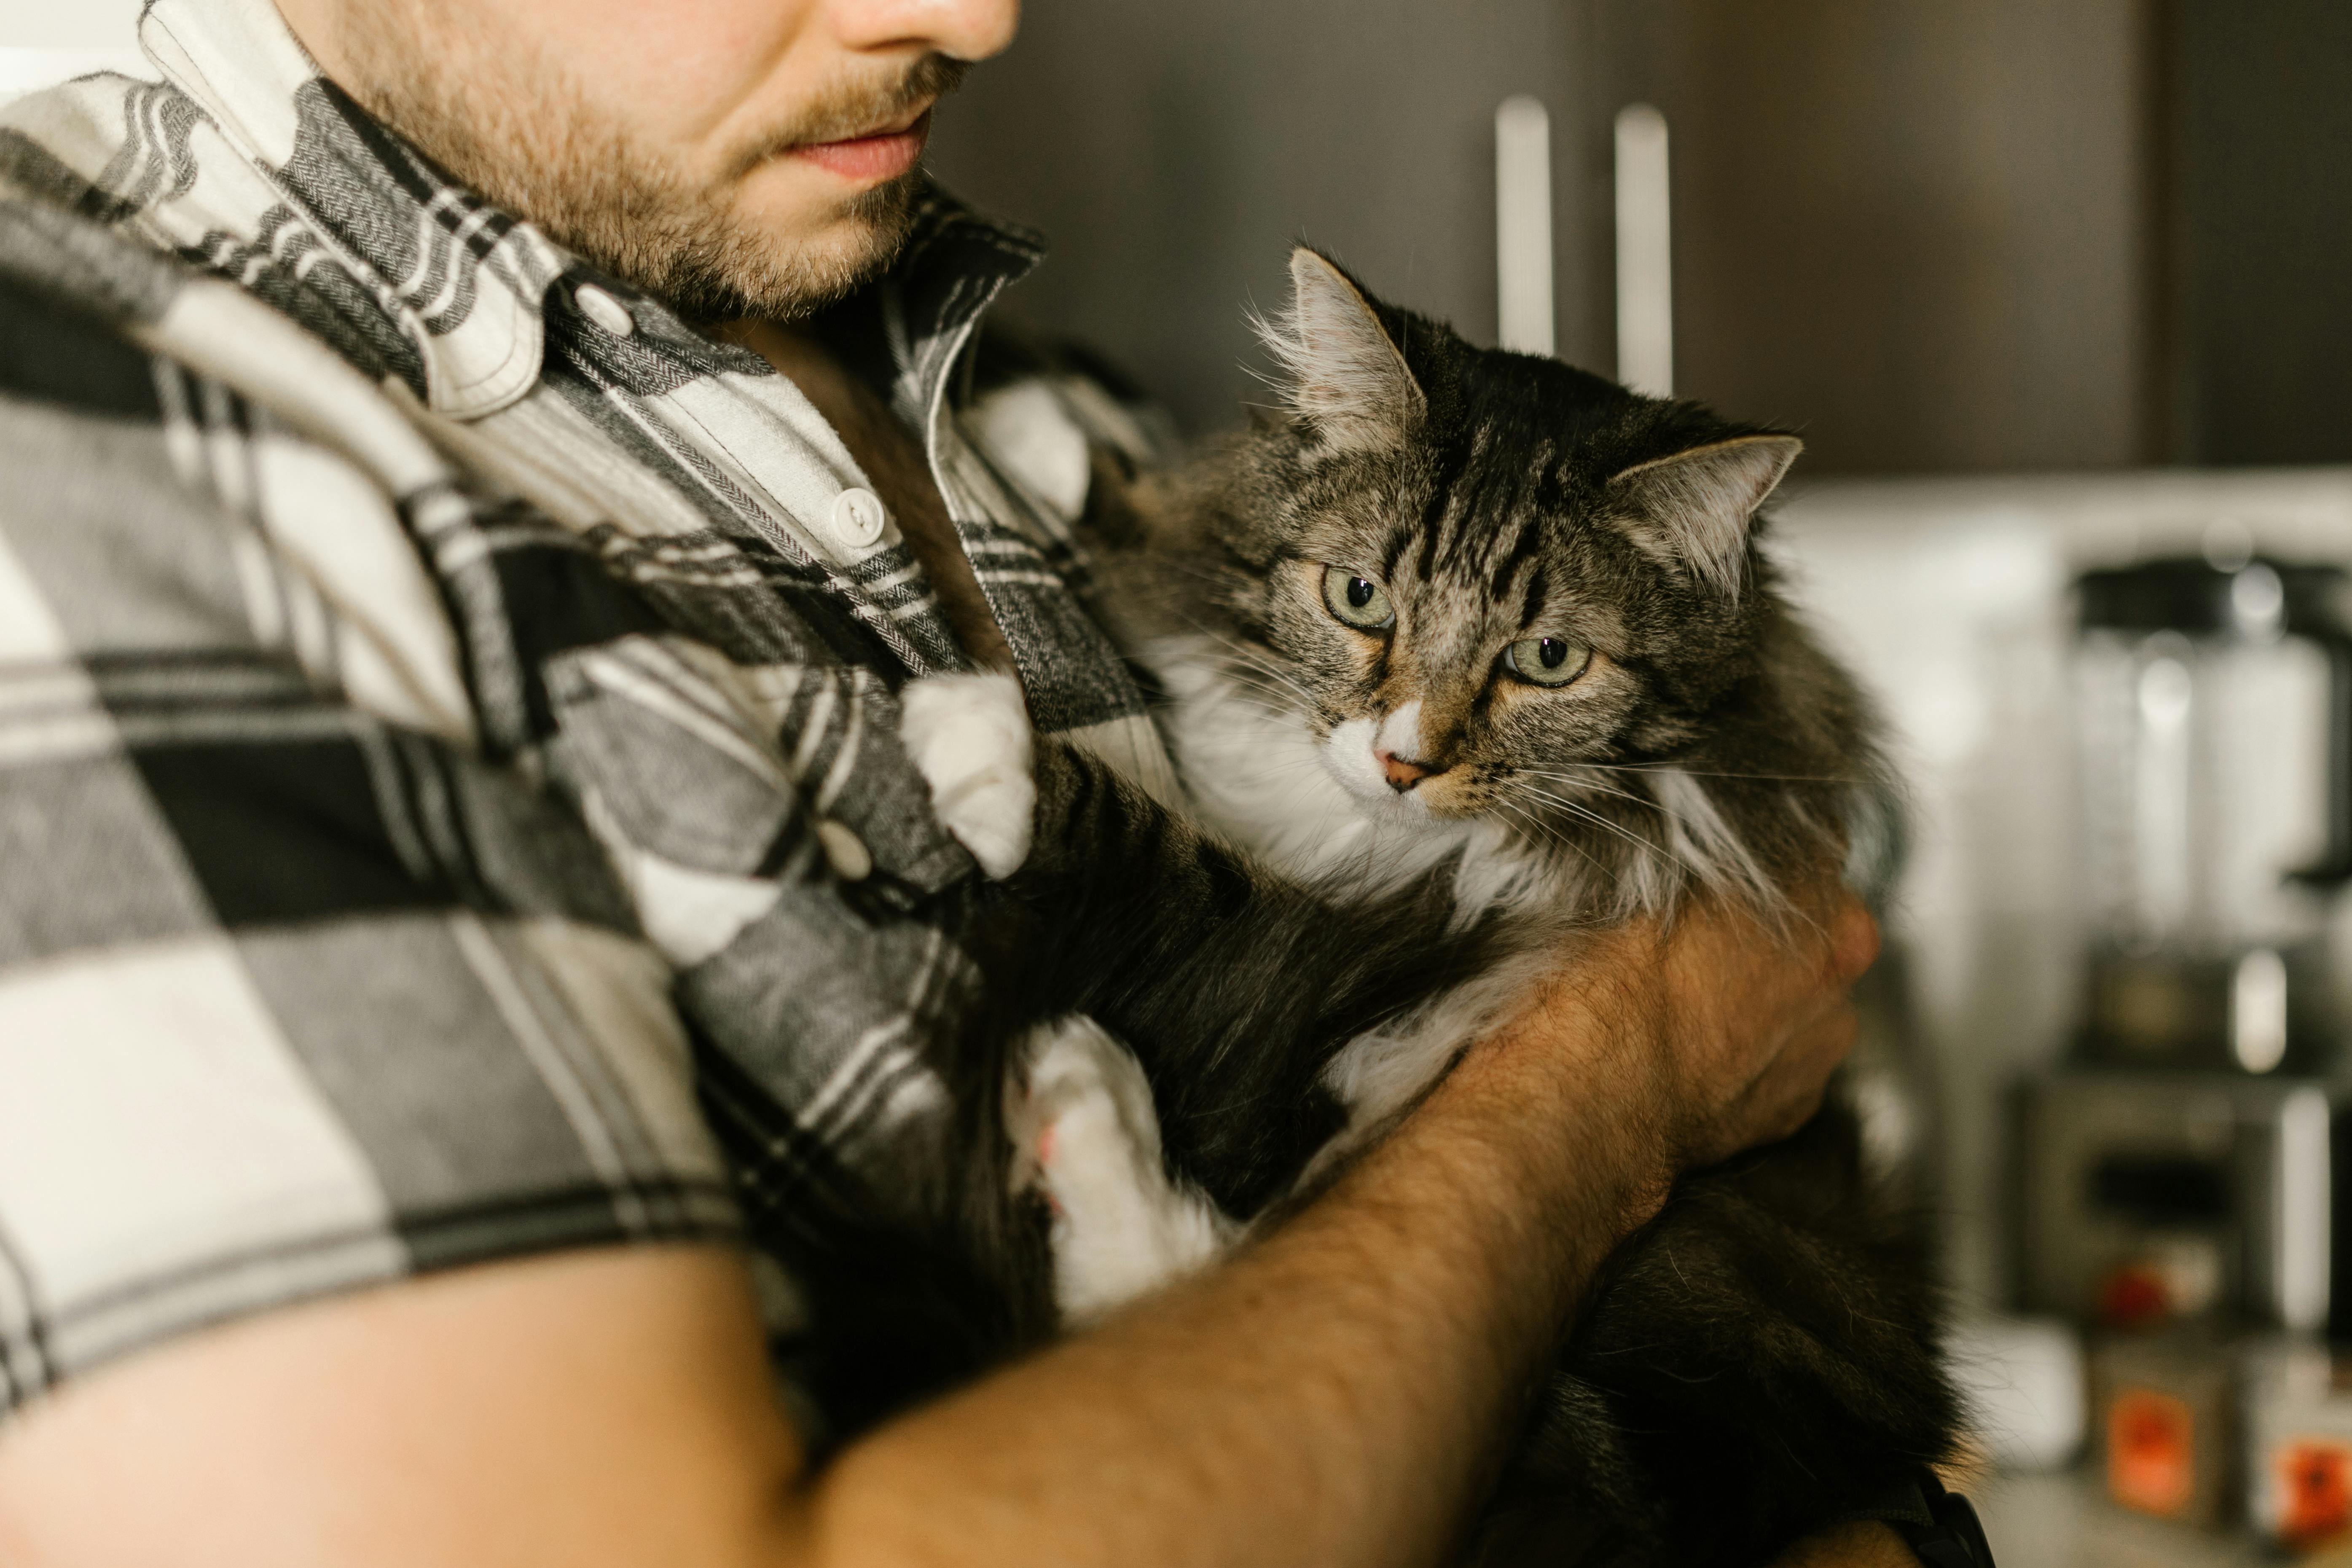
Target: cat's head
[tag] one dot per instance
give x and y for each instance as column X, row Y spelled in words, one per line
column 1491, row 585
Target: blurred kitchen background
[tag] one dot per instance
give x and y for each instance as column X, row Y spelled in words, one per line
column 2057, row 294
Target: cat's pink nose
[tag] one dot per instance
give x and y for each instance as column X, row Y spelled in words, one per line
column 1403, row 772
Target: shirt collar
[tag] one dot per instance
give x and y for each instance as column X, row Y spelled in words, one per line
column 466, row 283
column 462, row 283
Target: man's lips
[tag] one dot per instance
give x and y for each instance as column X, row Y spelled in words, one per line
column 884, row 155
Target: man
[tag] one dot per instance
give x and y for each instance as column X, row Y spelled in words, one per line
column 467, row 913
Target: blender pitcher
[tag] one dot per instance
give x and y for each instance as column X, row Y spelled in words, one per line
column 2214, row 720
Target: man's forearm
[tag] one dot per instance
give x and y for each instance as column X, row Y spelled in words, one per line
column 1332, row 1395
column 1329, row 1396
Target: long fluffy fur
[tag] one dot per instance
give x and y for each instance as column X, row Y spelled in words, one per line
column 1763, row 1357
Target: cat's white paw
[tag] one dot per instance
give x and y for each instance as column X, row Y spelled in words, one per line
column 1088, row 1130
column 969, row 736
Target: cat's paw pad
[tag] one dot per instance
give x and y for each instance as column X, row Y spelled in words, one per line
column 1088, row 1136
column 1088, row 1107
column 969, row 736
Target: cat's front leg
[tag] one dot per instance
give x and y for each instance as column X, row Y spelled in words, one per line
column 969, row 736
column 1121, row 1227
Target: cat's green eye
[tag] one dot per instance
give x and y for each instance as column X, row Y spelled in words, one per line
column 1547, row 661
column 1357, row 600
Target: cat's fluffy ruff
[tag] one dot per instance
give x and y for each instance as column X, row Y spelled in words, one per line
column 1121, row 1226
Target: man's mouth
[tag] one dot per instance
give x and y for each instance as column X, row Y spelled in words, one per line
column 879, row 155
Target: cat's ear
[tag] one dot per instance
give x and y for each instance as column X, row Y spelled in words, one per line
column 1342, row 375
column 1693, row 509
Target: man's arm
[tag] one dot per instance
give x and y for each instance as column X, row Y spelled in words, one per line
column 1332, row 1395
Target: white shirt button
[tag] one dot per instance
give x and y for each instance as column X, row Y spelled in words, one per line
column 858, row 518
column 603, row 309
column 843, row 851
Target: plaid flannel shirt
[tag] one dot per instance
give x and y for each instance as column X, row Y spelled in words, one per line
column 450, row 799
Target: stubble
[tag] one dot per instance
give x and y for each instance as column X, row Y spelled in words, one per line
column 527, row 137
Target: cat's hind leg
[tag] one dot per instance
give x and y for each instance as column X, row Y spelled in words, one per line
column 1087, row 1132
column 969, row 736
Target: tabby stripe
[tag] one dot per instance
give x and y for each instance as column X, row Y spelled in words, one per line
column 1451, row 464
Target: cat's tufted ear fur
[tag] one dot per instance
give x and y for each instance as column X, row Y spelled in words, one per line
column 1693, row 509
column 1342, row 375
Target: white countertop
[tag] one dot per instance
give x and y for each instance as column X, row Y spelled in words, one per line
column 2063, row 1521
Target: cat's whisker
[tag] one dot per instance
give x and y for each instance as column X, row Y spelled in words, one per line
column 1255, row 660
column 1288, row 696
column 1585, row 783
column 1703, row 774
column 1588, row 813
column 1267, row 682
column 1554, row 832
column 1250, row 659
column 1269, row 700
column 1546, row 832
column 1200, row 572
column 1543, row 830
column 1770, row 894
column 1645, row 844
column 1270, row 684
column 1258, row 686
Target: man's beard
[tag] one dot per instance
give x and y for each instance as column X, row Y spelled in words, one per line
column 536, row 145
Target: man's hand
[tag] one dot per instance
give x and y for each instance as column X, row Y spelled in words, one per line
column 1697, row 1040
column 1747, row 1029
column 1865, row 1544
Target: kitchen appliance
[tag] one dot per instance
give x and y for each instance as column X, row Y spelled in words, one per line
column 2152, row 1198
column 2297, row 1413
column 2213, row 705
column 2168, row 1424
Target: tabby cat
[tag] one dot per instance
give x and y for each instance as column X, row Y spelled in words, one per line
column 1462, row 651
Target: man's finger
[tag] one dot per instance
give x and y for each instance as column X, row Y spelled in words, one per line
column 1791, row 1090
column 1853, row 941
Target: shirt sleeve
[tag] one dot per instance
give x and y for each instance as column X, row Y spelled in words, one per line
column 298, row 993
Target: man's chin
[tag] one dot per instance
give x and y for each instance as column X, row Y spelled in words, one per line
column 786, row 194
column 833, row 248
column 727, row 274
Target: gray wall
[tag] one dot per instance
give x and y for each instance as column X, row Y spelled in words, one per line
column 1917, row 232
column 1932, row 235
column 2262, row 229
column 1174, row 152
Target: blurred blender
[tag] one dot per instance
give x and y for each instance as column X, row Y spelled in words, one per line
column 2177, row 1172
